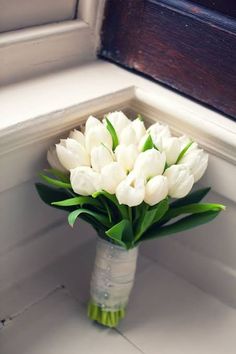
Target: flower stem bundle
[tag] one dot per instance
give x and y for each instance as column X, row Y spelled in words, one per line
column 131, row 184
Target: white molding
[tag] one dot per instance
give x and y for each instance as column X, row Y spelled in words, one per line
column 40, row 50
column 44, row 49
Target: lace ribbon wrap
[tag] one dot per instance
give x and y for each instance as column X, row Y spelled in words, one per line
column 113, row 275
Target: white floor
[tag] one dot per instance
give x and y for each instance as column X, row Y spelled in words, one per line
column 166, row 315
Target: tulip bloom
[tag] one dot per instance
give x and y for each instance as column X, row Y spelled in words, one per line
column 126, row 156
column 96, row 136
column 118, row 120
column 131, row 190
column 172, row 149
column 111, row 176
column 133, row 133
column 85, row 181
column 53, row 160
column 91, row 122
column 158, row 133
column 197, row 160
column 150, row 163
column 100, row 157
column 78, row 136
column 180, row 180
column 72, row 154
column 156, row 190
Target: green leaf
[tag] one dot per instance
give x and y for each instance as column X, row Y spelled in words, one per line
column 193, row 197
column 140, row 117
column 49, row 195
column 78, row 201
column 184, row 224
column 149, row 217
column 55, row 182
column 102, row 219
column 193, row 209
column 62, row 176
column 112, row 131
column 120, row 207
column 122, row 233
column 182, row 153
column 148, row 144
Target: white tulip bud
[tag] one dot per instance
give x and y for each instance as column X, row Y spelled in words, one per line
column 150, row 163
column 53, row 160
column 72, row 154
column 139, row 129
column 159, row 132
column 131, row 190
column 91, row 122
column 85, row 181
column 78, row 136
column 172, row 149
column 133, row 133
column 156, row 190
column 128, row 136
column 126, row 155
column 100, row 157
column 96, row 136
column 180, row 180
column 118, row 120
column 111, row 176
column 197, row 161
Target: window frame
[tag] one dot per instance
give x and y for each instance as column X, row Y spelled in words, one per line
column 39, row 50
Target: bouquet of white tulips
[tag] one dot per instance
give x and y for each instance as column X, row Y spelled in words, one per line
column 131, row 184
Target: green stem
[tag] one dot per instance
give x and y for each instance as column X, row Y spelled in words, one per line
column 106, row 318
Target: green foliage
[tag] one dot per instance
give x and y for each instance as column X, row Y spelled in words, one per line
column 184, row 224
column 149, row 217
column 183, row 152
column 99, row 218
column 120, row 224
column 122, row 234
column 111, row 129
column 55, row 182
column 148, row 144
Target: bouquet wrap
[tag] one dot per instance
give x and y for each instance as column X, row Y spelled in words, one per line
column 111, row 283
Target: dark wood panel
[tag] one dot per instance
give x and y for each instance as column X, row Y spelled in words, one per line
column 227, row 7
column 186, row 47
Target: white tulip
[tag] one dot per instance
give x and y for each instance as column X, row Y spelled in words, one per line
column 53, row 160
column 156, row 190
column 118, row 120
column 197, row 161
column 128, row 136
column 131, row 190
column 126, row 155
column 78, row 136
column 159, row 132
column 111, row 176
column 91, row 122
column 85, row 181
column 72, row 154
column 100, row 157
column 150, row 163
column 180, row 180
column 185, row 140
column 139, row 128
column 133, row 133
column 172, row 149
column 96, row 136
